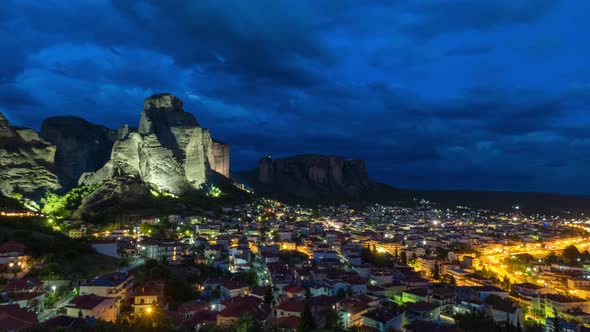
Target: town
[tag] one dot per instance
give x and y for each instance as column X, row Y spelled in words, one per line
column 265, row 265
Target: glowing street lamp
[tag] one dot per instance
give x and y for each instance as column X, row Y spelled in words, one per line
column 149, row 310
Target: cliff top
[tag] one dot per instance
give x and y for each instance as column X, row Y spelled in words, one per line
column 163, row 101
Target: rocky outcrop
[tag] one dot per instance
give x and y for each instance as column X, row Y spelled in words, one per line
column 313, row 177
column 26, row 162
column 80, row 146
column 169, row 152
column 221, row 158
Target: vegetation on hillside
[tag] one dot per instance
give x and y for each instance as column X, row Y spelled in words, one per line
column 59, row 254
column 62, row 206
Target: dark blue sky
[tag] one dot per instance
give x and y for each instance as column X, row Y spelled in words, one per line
column 432, row 94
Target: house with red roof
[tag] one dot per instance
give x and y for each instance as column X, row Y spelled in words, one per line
column 507, row 311
column 117, row 285
column 10, row 250
column 147, row 295
column 240, row 306
column 293, row 291
column 27, row 293
column 232, row 288
column 12, row 256
column 13, row 318
column 384, row 319
column 422, row 311
column 93, row 306
column 289, row 307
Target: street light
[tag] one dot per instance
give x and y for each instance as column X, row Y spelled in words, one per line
column 148, row 310
column 53, row 288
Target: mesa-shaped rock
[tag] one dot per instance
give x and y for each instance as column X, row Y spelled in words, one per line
column 26, row 162
column 168, row 152
column 81, row 146
column 313, row 177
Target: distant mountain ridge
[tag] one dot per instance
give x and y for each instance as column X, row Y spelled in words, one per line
column 316, row 179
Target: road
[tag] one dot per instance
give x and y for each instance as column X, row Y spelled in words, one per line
column 136, row 263
column 50, row 313
column 494, row 260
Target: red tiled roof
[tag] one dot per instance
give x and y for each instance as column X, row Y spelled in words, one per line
column 506, row 306
column 193, row 306
column 417, row 291
column 150, row 288
column 87, row 301
column 293, row 289
column 13, row 317
column 234, row 284
column 12, row 246
column 381, row 315
column 421, row 306
column 291, row 305
column 259, row 312
column 24, row 284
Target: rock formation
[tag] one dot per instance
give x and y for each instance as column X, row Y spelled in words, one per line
column 26, row 162
column 80, row 146
column 221, row 158
column 169, row 152
column 313, row 177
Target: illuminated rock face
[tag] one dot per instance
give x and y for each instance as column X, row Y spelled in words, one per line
column 313, row 176
column 26, row 162
column 169, row 152
column 221, row 158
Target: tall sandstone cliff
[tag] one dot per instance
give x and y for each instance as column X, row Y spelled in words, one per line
column 313, row 177
column 26, row 162
column 81, row 146
column 169, row 152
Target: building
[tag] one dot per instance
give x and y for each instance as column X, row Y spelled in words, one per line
column 78, row 233
column 170, row 252
column 13, row 252
column 231, row 288
column 383, row 320
column 94, row 306
column 114, row 285
column 148, row 295
column 13, row 318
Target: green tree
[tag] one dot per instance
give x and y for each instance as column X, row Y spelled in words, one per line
column 269, row 296
column 492, row 299
column 452, row 281
column 555, row 321
column 551, row 258
column 571, row 254
column 476, row 321
column 506, row 282
column 306, row 322
column 404, row 257
column 333, row 321
column 436, row 271
column 315, row 214
column 247, row 323
column 307, row 293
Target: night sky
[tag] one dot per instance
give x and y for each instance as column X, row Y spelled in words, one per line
column 432, row 94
